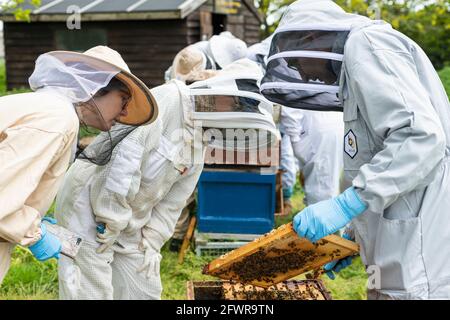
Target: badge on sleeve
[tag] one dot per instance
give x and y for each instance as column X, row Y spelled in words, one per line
column 350, row 144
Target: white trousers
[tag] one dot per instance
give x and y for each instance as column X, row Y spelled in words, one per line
column 106, row 276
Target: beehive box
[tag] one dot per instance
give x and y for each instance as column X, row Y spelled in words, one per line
column 227, row 290
column 278, row 256
column 236, row 201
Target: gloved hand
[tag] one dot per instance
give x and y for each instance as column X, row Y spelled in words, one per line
column 106, row 237
column 337, row 265
column 48, row 246
column 326, row 217
column 152, row 260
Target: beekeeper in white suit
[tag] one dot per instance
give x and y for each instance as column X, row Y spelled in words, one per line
column 317, row 139
column 38, row 135
column 396, row 143
column 127, row 210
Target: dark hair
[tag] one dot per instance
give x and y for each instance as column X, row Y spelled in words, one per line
column 114, row 85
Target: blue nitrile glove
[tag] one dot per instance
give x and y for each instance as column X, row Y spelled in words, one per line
column 50, row 219
column 48, row 246
column 337, row 265
column 326, row 217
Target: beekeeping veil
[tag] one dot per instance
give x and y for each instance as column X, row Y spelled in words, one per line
column 306, row 54
column 79, row 76
column 231, row 103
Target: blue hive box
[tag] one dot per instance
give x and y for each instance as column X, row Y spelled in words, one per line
column 236, row 202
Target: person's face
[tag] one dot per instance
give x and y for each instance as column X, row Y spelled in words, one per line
column 312, row 69
column 224, row 103
column 111, row 106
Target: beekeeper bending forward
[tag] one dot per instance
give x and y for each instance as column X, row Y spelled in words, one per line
column 38, row 134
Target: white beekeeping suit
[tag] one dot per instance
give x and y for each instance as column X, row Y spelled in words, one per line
column 317, row 140
column 140, row 194
column 290, row 165
column 396, row 145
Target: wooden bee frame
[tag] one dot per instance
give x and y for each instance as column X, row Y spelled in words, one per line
column 278, row 256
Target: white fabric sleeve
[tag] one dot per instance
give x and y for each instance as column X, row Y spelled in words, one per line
column 115, row 185
column 166, row 213
column 292, row 123
column 28, row 184
column 396, row 106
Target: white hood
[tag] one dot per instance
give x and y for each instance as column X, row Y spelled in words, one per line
column 306, row 54
column 306, row 13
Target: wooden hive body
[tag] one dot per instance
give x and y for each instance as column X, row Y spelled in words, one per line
column 227, row 290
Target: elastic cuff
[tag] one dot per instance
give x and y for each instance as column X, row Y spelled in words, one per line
column 43, row 233
column 352, row 203
column 287, row 193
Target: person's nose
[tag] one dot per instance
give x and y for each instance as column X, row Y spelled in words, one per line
column 124, row 112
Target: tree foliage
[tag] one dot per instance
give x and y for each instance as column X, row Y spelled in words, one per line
column 17, row 8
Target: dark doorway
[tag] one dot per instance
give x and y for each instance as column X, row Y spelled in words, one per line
column 219, row 22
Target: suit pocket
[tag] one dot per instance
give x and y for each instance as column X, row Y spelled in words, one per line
column 398, row 254
column 125, row 164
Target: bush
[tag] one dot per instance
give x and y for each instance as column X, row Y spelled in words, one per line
column 444, row 74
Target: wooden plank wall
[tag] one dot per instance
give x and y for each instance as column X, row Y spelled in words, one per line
column 148, row 47
column 244, row 26
column 23, row 44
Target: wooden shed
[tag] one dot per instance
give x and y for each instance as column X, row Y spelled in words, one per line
column 148, row 33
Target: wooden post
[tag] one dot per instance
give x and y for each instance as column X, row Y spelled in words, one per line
column 187, row 239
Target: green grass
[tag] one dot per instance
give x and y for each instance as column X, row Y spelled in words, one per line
column 3, row 91
column 29, row 279
column 444, row 74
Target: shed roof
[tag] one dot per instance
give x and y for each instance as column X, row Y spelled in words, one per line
column 58, row 10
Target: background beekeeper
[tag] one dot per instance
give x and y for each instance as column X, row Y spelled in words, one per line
column 39, row 133
column 127, row 209
column 396, row 143
column 213, row 54
column 316, row 139
column 290, row 166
